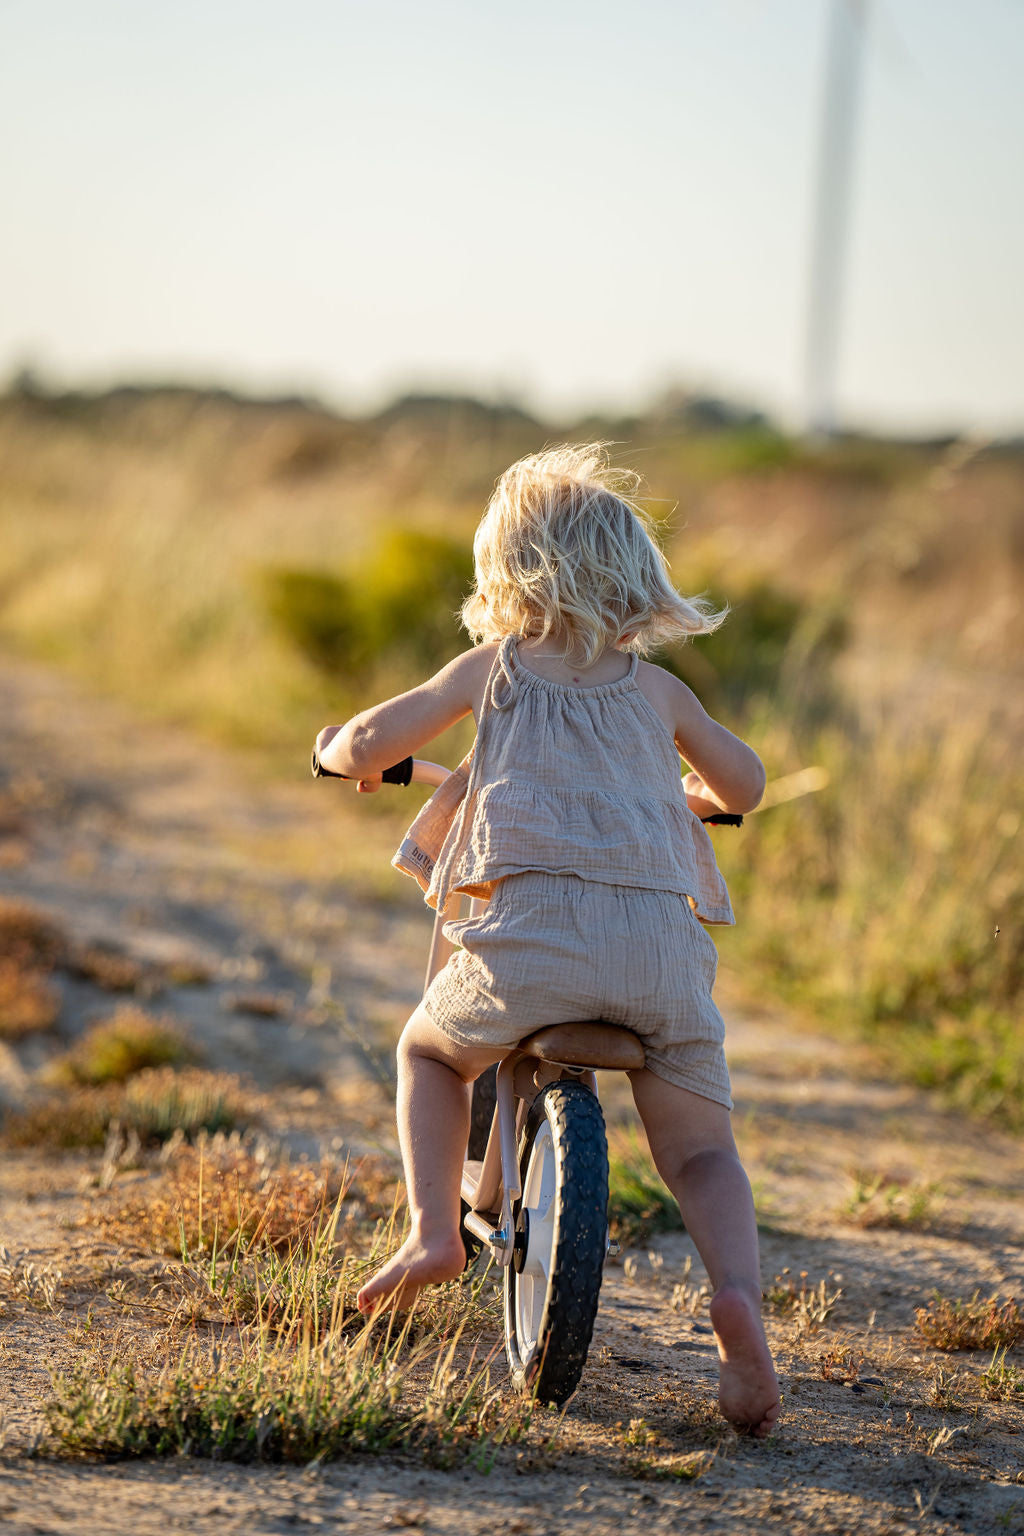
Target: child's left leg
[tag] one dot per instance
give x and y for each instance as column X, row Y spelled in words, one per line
column 694, row 1151
column 435, row 1077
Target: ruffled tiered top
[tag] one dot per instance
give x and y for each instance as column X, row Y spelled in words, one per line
column 569, row 781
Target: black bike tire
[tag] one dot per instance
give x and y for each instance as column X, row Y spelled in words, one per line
column 485, row 1096
column 552, row 1373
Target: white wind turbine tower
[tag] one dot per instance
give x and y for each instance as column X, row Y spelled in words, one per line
column 846, row 26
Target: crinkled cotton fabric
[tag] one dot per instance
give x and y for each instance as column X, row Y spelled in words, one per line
column 566, row 781
column 553, row 949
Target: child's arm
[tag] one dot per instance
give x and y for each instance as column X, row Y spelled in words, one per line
column 698, row 798
column 728, row 775
column 726, row 772
column 374, row 739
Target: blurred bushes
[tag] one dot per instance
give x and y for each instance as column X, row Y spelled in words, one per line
column 318, row 612
column 891, row 901
column 400, row 606
column 770, row 638
column 874, row 639
column 400, row 603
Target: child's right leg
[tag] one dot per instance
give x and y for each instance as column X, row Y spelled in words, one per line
column 435, row 1077
column 693, row 1148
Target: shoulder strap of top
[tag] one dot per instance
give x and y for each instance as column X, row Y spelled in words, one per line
column 502, row 685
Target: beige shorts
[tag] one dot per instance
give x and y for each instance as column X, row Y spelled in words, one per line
column 552, row 949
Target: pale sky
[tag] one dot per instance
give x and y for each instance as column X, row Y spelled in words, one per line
column 574, row 202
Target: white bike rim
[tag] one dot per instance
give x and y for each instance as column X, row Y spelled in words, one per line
column 540, row 1209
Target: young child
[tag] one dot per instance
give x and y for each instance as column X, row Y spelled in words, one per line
column 577, row 826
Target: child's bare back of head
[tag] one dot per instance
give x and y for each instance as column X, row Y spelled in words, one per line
column 565, row 552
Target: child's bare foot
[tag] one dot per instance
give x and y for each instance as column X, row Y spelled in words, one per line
column 416, row 1264
column 748, row 1392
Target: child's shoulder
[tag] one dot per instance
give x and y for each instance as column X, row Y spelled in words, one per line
column 658, row 680
column 478, row 659
column 667, row 694
column 465, row 676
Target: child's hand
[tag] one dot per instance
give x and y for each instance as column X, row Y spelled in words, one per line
column 325, row 736
column 698, row 797
column 364, row 786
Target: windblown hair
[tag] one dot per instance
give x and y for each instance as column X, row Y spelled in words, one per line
column 565, row 552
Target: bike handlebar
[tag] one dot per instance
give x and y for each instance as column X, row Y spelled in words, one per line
column 415, row 770
column 411, row 770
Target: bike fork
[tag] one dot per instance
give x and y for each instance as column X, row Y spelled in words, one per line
column 497, row 1186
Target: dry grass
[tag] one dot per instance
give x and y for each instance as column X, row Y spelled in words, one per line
column 687, row 1296
column 881, row 1201
column 28, row 937
column 29, row 1005
column 114, row 1049
column 28, row 1284
column 109, row 968
column 271, row 1254
column 973, row 1324
column 281, row 1246
column 796, row 1298
column 226, row 1195
column 286, row 1402
column 873, row 903
column 154, row 1105
column 285, row 1245
column 30, row 946
column 894, row 912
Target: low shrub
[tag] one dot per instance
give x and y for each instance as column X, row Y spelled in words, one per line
column 154, row 1104
column 28, row 937
column 117, row 1048
column 400, row 602
column 30, row 946
column 769, row 634
column 108, row 967
column 28, row 1003
column 974, row 1324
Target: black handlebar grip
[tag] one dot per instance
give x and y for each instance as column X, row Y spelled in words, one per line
column 319, row 771
column 398, row 773
column 723, row 819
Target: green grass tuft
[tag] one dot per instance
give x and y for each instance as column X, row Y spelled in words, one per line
column 276, row 1403
column 639, row 1204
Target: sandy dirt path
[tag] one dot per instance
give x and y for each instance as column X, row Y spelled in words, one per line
column 141, row 839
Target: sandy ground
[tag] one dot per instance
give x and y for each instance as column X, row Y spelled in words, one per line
column 143, row 840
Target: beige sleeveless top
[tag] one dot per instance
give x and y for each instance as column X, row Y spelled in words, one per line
column 569, row 781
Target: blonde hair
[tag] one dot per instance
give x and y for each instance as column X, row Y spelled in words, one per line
column 566, row 552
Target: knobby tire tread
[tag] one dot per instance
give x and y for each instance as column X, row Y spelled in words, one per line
column 485, row 1096
column 567, row 1325
column 484, row 1099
